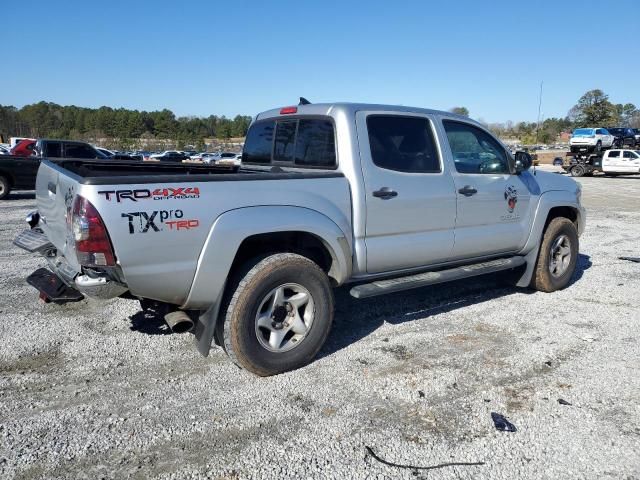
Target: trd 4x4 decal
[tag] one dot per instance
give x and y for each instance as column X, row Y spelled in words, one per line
column 163, row 193
column 159, row 220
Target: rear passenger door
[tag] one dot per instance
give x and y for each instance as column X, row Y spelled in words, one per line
column 493, row 204
column 409, row 196
column 613, row 161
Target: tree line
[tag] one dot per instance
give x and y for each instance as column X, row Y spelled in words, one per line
column 593, row 109
column 124, row 129
column 117, row 128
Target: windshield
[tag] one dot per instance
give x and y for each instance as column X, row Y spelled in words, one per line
column 582, row 132
column 616, row 131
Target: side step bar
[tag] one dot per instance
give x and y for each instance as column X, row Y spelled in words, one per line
column 382, row 287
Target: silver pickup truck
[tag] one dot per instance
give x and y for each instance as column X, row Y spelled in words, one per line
column 384, row 198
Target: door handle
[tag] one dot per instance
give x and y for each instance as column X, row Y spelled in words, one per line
column 467, row 191
column 385, row 193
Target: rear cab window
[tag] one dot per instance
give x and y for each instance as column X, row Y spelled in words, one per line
column 305, row 142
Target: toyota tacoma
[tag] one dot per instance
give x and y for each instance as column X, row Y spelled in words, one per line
column 384, row 198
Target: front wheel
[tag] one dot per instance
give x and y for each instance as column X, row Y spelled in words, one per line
column 5, row 188
column 557, row 257
column 278, row 314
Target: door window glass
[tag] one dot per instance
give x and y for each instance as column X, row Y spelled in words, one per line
column 614, row 154
column 53, row 149
column 474, row 150
column 404, row 144
column 79, row 151
column 629, row 155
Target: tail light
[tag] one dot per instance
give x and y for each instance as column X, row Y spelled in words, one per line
column 93, row 247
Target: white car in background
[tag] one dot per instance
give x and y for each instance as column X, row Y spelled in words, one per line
column 205, row 157
column 4, row 149
column 229, row 158
column 590, row 140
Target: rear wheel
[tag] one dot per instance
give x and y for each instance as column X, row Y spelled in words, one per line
column 577, row 171
column 5, row 187
column 278, row 314
column 557, row 257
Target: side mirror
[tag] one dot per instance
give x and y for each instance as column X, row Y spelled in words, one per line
column 523, row 162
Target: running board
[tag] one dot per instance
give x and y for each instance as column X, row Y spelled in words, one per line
column 382, row 287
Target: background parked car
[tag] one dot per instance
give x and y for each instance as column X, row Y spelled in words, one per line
column 623, row 137
column 229, row 158
column 169, row 156
column 590, row 139
column 4, row 149
column 24, row 148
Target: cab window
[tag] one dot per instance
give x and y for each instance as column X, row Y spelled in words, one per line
column 403, row 144
column 474, row 150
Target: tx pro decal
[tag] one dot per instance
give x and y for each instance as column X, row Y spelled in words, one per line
column 158, row 221
column 162, row 193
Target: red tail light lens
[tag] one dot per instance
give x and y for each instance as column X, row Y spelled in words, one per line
column 288, row 110
column 93, row 247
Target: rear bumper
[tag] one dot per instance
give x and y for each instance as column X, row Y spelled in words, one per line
column 88, row 283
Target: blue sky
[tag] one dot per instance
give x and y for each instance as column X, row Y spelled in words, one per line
column 224, row 58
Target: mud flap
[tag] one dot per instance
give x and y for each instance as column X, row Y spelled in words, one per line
column 531, row 259
column 52, row 288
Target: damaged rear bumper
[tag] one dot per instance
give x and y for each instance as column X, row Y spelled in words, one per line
column 63, row 282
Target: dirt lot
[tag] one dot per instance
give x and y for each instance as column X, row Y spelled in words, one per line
column 90, row 390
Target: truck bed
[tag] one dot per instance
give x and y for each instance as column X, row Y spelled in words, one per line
column 100, row 172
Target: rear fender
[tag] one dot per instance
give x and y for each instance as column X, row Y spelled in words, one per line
column 224, row 239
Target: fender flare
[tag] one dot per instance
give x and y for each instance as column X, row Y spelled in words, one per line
column 548, row 200
column 224, row 239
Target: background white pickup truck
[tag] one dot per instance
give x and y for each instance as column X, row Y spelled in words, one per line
column 386, row 198
column 621, row 162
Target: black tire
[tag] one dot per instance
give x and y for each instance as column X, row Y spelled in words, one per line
column 5, row 187
column 543, row 278
column 577, row 171
column 253, row 283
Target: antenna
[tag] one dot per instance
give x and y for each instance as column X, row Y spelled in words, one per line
column 539, row 110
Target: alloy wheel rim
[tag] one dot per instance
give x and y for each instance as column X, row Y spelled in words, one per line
column 560, row 256
column 284, row 317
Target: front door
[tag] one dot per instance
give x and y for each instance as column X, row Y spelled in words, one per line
column 493, row 203
column 630, row 162
column 410, row 199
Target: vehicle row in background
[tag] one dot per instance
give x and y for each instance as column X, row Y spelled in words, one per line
column 587, row 140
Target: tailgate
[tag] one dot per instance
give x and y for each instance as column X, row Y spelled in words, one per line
column 55, row 191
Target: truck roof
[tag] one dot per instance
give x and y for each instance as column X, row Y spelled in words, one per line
column 352, row 108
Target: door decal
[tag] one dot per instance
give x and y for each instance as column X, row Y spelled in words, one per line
column 511, row 196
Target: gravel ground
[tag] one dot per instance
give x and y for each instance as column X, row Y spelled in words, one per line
column 91, row 390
